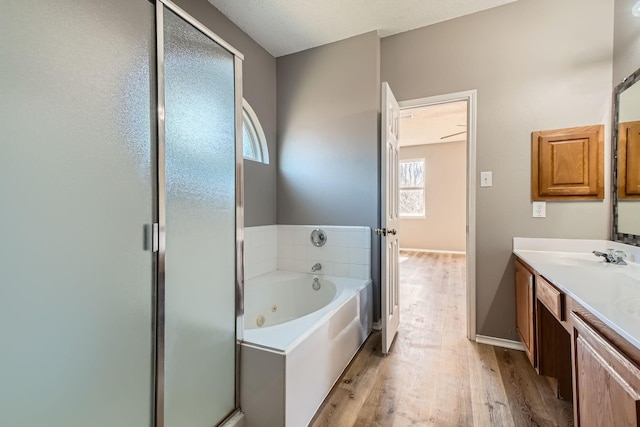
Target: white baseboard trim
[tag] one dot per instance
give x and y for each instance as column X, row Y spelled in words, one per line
column 377, row 326
column 500, row 342
column 435, row 251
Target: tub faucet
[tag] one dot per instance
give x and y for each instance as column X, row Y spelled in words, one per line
column 316, row 267
column 612, row 257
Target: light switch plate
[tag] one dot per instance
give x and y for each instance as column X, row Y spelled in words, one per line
column 486, row 179
column 539, row 209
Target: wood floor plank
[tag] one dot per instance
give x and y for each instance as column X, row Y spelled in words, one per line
column 453, row 405
column 433, row 375
column 488, row 397
column 342, row 406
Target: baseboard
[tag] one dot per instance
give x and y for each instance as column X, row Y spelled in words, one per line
column 500, row 342
column 435, row 251
column 377, row 326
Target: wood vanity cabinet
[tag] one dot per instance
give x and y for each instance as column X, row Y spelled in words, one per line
column 582, row 357
column 607, row 383
column 525, row 314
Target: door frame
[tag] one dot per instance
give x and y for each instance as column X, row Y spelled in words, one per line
column 471, row 97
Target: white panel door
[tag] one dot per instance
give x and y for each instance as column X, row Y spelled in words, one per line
column 390, row 221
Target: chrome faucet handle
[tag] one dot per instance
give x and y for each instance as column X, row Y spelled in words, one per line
column 612, row 256
column 619, row 257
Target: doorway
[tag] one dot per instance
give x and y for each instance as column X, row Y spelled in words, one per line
column 437, row 194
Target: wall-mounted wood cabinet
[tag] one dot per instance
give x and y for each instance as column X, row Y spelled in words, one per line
column 567, row 164
column 629, row 160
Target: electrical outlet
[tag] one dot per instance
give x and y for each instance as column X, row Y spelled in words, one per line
column 539, row 209
column 486, row 179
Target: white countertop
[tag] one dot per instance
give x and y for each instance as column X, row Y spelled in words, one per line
column 611, row 292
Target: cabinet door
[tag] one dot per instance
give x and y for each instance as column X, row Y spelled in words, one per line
column 567, row 164
column 606, row 383
column 525, row 310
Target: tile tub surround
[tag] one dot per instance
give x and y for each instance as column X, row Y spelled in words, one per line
column 347, row 252
column 260, row 250
column 609, row 291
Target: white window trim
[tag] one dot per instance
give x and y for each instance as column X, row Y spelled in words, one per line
column 424, row 190
column 257, row 133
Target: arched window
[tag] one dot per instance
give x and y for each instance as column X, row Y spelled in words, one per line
column 254, row 142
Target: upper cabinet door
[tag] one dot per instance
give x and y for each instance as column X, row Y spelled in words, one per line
column 568, row 164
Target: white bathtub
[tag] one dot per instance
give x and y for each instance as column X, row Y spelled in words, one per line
column 281, row 296
column 307, row 339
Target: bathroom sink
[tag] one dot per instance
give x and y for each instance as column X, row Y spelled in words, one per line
column 578, row 260
column 583, row 264
column 629, row 306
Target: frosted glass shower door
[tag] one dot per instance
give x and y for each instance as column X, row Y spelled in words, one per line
column 199, row 289
column 76, row 280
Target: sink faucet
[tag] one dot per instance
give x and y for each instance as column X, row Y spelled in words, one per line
column 316, row 267
column 612, row 257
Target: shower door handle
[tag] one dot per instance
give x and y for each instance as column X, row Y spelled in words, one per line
column 151, row 237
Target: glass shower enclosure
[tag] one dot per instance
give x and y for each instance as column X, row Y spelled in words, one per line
column 120, row 218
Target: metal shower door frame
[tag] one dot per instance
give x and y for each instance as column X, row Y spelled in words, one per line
column 161, row 204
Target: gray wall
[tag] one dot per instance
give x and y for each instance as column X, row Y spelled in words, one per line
column 259, row 85
column 626, row 41
column 328, row 108
column 444, row 227
column 537, row 64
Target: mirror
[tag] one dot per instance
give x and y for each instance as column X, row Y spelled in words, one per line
column 626, row 163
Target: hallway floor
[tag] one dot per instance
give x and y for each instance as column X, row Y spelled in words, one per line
column 433, row 375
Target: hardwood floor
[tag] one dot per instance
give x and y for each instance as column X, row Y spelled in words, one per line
column 433, row 375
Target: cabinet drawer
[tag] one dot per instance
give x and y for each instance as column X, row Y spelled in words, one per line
column 552, row 298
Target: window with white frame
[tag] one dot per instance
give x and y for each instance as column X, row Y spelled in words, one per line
column 254, row 142
column 412, row 188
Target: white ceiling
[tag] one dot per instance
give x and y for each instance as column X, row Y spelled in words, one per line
column 433, row 124
column 287, row 26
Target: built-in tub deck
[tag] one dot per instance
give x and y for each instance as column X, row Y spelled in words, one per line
column 289, row 368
